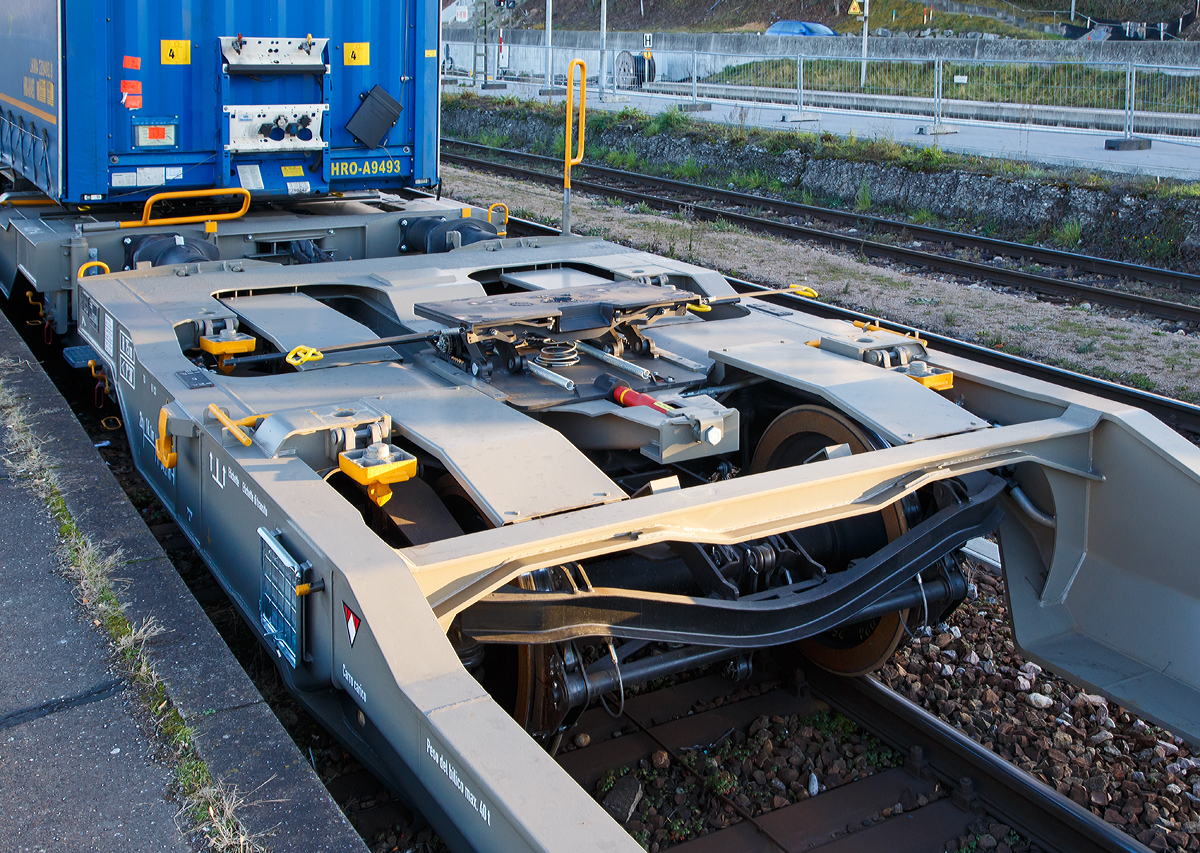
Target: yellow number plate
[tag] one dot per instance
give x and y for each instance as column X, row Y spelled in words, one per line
column 366, row 168
column 357, row 53
column 176, row 52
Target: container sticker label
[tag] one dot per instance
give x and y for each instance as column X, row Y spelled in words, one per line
column 125, row 367
column 151, row 176
column 292, row 171
column 132, row 102
column 174, row 173
column 124, row 179
column 352, row 623
column 431, row 54
column 250, row 177
column 299, row 187
column 108, row 334
column 357, row 53
column 176, row 52
column 133, row 63
column 131, row 87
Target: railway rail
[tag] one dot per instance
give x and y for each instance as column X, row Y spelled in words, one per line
column 1043, row 285
column 1181, row 415
column 942, row 785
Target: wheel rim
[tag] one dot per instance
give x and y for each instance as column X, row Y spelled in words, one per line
column 792, row 439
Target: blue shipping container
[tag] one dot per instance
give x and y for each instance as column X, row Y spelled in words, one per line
column 115, row 101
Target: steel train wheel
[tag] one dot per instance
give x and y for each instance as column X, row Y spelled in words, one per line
column 524, row 679
column 794, row 438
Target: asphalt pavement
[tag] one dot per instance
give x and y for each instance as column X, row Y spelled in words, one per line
column 77, row 771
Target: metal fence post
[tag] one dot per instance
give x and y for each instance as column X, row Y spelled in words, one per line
column 937, row 92
column 799, row 84
column 1130, row 96
column 695, row 71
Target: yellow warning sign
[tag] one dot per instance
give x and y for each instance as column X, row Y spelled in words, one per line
column 357, row 53
column 292, row 171
column 176, row 52
column 854, row 9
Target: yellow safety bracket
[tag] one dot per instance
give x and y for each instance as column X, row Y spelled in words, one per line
column 184, row 220
column 91, row 264
column 699, row 307
column 503, row 232
column 868, row 327
column 164, row 445
column 575, row 159
column 224, row 348
column 302, row 355
column 229, row 424
column 378, row 478
column 37, row 305
column 803, row 290
column 936, row 381
column 100, row 375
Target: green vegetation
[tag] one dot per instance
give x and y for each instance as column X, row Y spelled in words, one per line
column 862, row 201
column 1069, row 233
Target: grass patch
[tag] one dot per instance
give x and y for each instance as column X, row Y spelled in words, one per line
column 862, row 202
column 1069, row 233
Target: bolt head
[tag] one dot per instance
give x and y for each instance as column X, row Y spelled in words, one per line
column 713, row 435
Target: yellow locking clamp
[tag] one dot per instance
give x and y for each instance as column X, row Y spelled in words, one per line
column 377, row 467
column 226, row 343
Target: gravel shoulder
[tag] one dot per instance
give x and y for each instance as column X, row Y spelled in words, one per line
column 1133, row 351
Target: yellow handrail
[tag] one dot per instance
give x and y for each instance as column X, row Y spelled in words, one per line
column 184, row 220
column 226, row 422
column 568, row 159
column 91, row 264
column 575, row 159
column 503, row 232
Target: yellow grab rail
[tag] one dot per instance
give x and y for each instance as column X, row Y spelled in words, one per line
column 229, row 424
column 503, row 232
column 184, row 220
column 91, row 264
column 573, row 159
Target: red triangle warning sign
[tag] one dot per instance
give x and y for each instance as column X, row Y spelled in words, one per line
column 352, row 623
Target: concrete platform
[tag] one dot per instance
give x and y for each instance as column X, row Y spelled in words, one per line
column 77, row 771
column 1169, row 157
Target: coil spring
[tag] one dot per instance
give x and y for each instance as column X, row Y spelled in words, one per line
column 558, row 355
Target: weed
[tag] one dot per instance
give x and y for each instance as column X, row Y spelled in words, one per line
column 862, row 201
column 689, row 171
column 951, row 318
column 806, row 198
column 670, row 120
column 924, row 217
column 1069, row 233
column 643, row 208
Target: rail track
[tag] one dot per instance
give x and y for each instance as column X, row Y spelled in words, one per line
column 681, row 195
column 928, row 788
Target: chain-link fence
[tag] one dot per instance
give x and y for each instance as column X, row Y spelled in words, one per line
column 1073, row 96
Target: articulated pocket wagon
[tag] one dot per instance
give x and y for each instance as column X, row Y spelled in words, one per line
column 464, row 495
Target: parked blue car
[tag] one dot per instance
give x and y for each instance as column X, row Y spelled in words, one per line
column 799, row 28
